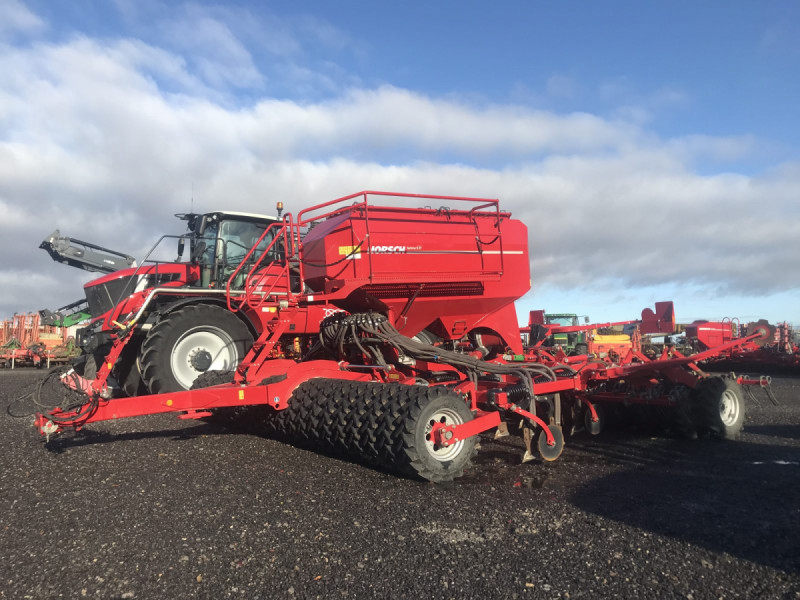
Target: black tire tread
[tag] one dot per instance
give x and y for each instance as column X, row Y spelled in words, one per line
column 707, row 396
column 227, row 415
column 212, row 378
column 127, row 370
column 371, row 422
column 154, row 346
column 683, row 415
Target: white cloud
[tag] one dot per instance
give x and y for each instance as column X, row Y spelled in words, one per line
column 15, row 17
column 235, row 48
column 105, row 140
column 220, row 58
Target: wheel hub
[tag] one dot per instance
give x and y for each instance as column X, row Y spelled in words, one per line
column 438, row 421
column 202, row 348
column 201, row 359
column 728, row 408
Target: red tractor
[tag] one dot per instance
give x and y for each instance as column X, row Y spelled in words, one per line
column 186, row 327
column 390, row 333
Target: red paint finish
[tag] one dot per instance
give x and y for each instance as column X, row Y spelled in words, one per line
column 454, row 272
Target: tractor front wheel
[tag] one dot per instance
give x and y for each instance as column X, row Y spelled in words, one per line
column 189, row 341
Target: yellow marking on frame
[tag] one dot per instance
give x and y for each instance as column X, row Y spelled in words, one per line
column 351, row 252
column 241, row 394
column 169, row 402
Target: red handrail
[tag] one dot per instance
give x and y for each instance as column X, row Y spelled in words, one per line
column 484, row 203
column 246, row 296
column 303, row 219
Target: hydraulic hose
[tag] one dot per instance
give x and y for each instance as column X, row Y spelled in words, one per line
column 366, row 331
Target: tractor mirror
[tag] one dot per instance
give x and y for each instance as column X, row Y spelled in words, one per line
column 198, row 250
column 181, row 247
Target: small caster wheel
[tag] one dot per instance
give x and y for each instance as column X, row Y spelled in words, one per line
column 546, row 451
column 594, row 427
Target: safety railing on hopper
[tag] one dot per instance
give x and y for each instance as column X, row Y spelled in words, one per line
column 497, row 237
column 303, row 220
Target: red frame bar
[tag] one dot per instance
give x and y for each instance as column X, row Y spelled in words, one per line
column 275, row 394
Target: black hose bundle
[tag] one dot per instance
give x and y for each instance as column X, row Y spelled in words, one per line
column 53, row 391
column 370, row 331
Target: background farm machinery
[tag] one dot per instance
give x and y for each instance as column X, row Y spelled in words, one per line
column 570, row 341
column 26, row 342
column 774, row 350
column 389, row 333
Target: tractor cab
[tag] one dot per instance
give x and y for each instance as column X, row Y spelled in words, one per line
column 220, row 241
column 570, row 342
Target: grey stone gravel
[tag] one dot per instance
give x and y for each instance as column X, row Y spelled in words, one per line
column 155, row 507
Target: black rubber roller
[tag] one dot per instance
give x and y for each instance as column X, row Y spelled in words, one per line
column 384, row 425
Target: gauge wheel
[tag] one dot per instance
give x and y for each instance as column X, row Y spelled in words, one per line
column 720, row 404
column 427, row 459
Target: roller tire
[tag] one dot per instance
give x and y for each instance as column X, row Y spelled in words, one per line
column 382, row 425
column 720, row 408
column 163, row 338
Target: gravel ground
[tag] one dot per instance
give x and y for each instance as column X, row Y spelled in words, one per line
column 157, row 507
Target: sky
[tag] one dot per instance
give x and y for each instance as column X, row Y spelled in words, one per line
column 652, row 148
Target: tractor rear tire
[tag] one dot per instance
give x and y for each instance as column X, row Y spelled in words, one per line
column 382, row 424
column 720, row 407
column 190, row 341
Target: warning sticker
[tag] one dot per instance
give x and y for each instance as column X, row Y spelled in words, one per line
column 349, row 252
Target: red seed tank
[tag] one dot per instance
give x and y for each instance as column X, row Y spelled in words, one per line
column 451, row 272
